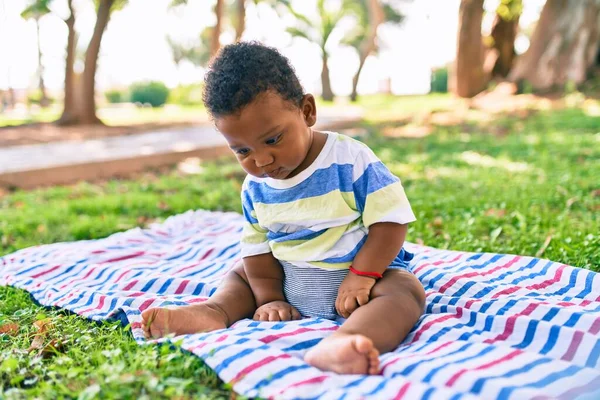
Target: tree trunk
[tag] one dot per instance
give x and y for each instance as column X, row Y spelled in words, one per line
column 88, row 114
column 468, row 76
column 44, row 98
column 69, row 104
column 326, row 92
column 85, row 113
column 563, row 47
column 354, row 94
column 504, row 33
column 376, row 18
column 215, row 44
column 240, row 25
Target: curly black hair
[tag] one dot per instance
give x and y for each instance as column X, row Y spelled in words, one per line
column 242, row 71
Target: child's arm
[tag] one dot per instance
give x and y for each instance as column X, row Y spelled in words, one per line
column 265, row 277
column 384, row 241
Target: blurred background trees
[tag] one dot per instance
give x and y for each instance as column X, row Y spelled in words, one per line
column 563, row 51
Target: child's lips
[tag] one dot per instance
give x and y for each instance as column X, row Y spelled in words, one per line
column 273, row 173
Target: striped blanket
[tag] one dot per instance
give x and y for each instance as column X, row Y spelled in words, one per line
column 495, row 327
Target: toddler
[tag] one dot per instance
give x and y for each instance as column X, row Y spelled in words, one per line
column 325, row 222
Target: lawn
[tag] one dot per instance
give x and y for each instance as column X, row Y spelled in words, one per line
column 531, row 187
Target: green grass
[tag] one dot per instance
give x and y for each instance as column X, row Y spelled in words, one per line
column 116, row 115
column 532, row 191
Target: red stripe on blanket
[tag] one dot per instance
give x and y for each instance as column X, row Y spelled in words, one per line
column 272, row 338
column 394, row 361
column 257, row 365
column 510, row 324
column 146, row 304
column 428, row 325
column 316, row 379
column 455, row 279
column 98, row 307
column 46, row 272
column 78, row 279
column 575, row 342
column 402, row 392
column 439, row 262
column 182, row 286
column 595, row 328
column 127, row 257
column 548, row 282
column 461, row 372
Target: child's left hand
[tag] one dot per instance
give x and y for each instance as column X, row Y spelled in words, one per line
column 354, row 292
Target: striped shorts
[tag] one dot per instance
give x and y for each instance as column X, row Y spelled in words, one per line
column 313, row 291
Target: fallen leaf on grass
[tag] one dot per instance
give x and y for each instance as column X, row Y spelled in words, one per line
column 163, row 206
column 545, row 245
column 596, row 193
column 571, row 201
column 42, row 326
column 495, row 212
column 10, row 329
column 45, row 349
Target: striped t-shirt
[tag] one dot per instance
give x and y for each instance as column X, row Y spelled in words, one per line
column 320, row 217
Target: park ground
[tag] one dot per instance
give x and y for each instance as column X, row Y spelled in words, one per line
column 520, row 178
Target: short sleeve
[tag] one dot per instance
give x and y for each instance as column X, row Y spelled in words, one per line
column 254, row 237
column 378, row 193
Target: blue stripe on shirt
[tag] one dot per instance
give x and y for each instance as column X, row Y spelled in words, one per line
column 321, row 182
column 303, row 234
column 375, row 177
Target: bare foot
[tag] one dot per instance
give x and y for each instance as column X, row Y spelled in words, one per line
column 194, row 318
column 345, row 354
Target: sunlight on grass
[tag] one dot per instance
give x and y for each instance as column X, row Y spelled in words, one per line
column 483, row 160
column 131, row 115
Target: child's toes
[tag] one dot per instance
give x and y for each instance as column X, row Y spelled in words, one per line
column 373, row 364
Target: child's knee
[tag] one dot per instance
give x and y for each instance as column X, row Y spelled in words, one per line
column 400, row 283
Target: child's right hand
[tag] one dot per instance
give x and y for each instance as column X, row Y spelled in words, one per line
column 276, row 311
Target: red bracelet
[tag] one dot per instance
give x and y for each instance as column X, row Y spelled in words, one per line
column 375, row 275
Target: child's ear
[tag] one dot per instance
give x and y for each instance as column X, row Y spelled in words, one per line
column 309, row 109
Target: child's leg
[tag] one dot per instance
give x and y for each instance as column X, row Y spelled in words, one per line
column 232, row 302
column 397, row 302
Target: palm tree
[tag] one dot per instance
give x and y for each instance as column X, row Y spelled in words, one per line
column 318, row 31
column 36, row 10
column 369, row 15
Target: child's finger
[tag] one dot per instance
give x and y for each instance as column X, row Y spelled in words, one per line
column 362, row 299
column 285, row 314
column 295, row 314
column 273, row 316
column 351, row 305
column 338, row 305
column 259, row 316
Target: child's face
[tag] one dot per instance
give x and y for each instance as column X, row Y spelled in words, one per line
column 271, row 137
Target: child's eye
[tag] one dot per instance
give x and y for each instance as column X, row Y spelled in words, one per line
column 242, row 152
column 273, row 140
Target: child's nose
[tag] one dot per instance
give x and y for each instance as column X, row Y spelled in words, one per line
column 262, row 160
